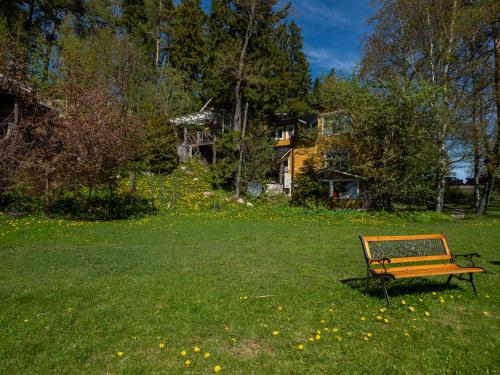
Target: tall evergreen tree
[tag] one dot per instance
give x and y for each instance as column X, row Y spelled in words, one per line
column 187, row 46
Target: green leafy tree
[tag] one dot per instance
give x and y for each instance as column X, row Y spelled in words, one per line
column 308, row 190
column 390, row 142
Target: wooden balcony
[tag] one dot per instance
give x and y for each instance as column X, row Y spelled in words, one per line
column 201, row 138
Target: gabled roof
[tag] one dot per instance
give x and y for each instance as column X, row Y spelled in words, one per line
column 282, row 152
column 22, row 92
column 336, row 171
column 200, row 118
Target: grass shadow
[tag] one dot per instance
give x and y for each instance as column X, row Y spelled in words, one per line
column 397, row 288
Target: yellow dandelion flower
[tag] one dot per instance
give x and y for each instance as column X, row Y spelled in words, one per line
column 434, row 293
column 311, row 339
column 196, row 349
column 300, row 347
column 330, row 310
column 378, row 317
column 276, row 333
column 183, row 353
column 317, row 337
column 386, row 321
column 369, row 334
column 403, row 302
column 335, row 330
column 206, row 355
column 338, row 338
column 326, row 329
column 427, row 313
column 363, row 318
column 407, row 333
column 486, row 313
column 161, row 345
column 318, row 332
column 366, row 338
column 412, row 309
column 280, row 308
column 323, row 321
column 187, row 363
column 217, row 368
column 383, row 310
column 119, row 354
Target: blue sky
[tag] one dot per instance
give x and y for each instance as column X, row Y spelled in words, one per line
column 333, row 31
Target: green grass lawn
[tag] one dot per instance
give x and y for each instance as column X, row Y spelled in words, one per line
column 74, row 294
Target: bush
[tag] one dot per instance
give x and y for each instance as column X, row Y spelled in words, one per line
column 98, row 207
column 308, row 190
column 19, row 201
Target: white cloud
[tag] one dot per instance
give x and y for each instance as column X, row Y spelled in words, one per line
column 326, row 59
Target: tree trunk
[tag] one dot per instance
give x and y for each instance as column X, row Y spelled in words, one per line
column 443, row 154
column 241, row 66
column 476, row 151
column 240, row 162
column 494, row 158
column 158, row 23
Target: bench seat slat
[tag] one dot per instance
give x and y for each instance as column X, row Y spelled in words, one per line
column 428, row 270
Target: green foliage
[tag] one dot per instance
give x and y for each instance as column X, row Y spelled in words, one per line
column 168, row 93
column 259, row 154
column 186, row 48
column 98, row 207
column 161, row 145
column 224, row 171
column 308, row 190
column 390, row 143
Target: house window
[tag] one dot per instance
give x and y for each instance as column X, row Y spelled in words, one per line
column 283, row 133
column 343, row 189
column 336, row 123
column 279, row 133
column 337, row 160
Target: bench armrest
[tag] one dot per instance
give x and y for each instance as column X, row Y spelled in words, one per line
column 382, row 261
column 470, row 257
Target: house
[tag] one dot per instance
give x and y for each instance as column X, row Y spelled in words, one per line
column 17, row 100
column 298, row 139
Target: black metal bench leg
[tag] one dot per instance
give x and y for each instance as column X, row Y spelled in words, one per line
column 449, row 280
column 385, row 292
column 471, row 279
column 367, row 281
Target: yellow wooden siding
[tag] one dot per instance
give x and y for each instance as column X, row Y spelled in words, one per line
column 300, row 155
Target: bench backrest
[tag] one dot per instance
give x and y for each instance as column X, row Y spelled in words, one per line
column 406, row 249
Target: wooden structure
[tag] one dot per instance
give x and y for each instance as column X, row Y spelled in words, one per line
column 17, row 100
column 431, row 253
column 199, row 132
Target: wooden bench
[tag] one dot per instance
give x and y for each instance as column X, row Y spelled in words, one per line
column 400, row 257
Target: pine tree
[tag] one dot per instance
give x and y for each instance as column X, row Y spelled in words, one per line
column 187, row 44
